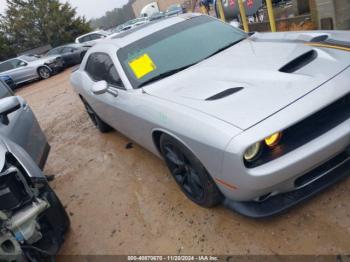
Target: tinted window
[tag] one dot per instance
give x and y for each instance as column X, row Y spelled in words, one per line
column 100, row 67
column 84, row 39
column 67, row 50
column 4, row 90
column 96, row 36
column 5, row 66
column 16, row 63
column 175, row 47
column 55, row 51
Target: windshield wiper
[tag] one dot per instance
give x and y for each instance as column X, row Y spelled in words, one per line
column 165, row 74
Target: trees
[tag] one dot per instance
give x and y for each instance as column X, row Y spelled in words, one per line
column 114, row 17
column 29, row 24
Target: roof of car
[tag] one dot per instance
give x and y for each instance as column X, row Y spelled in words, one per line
column 94, row 32
column 144, row 30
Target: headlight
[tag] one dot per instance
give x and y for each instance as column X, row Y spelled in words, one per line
column 255, row 151
column 252, row 152
column 273, row 140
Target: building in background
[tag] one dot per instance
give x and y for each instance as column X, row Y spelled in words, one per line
column 327, row 14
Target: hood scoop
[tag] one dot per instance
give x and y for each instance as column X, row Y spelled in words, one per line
column 224, row 93
column 318, row 39
column 299, row 62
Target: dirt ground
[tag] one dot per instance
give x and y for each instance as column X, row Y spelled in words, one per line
column 123, row 201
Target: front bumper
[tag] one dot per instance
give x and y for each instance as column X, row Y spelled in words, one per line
column 315, row 181
column 297, row 175
column 57, row 65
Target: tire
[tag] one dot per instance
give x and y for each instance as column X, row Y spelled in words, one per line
column 189, row 173
column 57, row 211
column 44, row 72
column 102, row 126
column 54, row 223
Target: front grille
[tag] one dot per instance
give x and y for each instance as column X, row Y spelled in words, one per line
column 322, row 169
column 307, row 130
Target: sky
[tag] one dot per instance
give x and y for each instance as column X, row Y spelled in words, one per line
column 88, row 8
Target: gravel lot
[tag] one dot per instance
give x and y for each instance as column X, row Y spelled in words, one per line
column 123, row 201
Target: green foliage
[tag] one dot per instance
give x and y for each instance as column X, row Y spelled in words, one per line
column 29, row 24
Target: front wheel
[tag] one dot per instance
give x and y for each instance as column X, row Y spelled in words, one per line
column 189, row 173
column 44, row 72
column 102, row 126
column 54, row 223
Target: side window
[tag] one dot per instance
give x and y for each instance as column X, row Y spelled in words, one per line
column 16, row 63
column 4, row 90
column 67, row 50
column 55, row 51
column 96, row 36
column 85, row 39
column 100, row 67
column 5, row 66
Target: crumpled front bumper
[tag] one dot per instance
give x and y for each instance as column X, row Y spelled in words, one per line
column 331, row 172
column 57, row 65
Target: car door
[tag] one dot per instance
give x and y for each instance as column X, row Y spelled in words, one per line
column 71, row 55
column 5, row 67
column 118, row 107
column 20, row 71
column 22, row 127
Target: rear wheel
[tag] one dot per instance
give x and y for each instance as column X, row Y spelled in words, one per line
column 189, row 173
column 102, row 126
column 44, row 72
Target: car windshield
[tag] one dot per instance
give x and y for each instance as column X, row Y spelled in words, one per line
column 174, row 48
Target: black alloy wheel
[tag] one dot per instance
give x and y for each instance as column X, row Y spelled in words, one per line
column 189, row 173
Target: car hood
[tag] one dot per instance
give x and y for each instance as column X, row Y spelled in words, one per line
column 43, row 60
column 250, row 73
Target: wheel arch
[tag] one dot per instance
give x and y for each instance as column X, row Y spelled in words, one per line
column 158, row 132
column 41, row 66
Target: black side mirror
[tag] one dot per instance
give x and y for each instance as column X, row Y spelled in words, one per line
column 7, row 106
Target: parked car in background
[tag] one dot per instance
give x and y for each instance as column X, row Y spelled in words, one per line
column 91, row 38
column 175, row 9
column 258, row 121
column 134, row 23
column 26, row 68
column 9, row 81
column 32, row 219
column 72, row 54
column 157, row 16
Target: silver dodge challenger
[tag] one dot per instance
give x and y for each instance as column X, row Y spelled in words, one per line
column 259, row 122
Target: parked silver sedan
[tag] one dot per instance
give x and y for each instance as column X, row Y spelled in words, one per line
column 26, row 68
column 260, row 122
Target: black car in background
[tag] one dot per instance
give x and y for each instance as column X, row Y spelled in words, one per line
column 71, row 54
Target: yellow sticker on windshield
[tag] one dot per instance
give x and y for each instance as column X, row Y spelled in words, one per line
column 142, row 65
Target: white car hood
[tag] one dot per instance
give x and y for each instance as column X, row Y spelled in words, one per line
column 254, row 66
